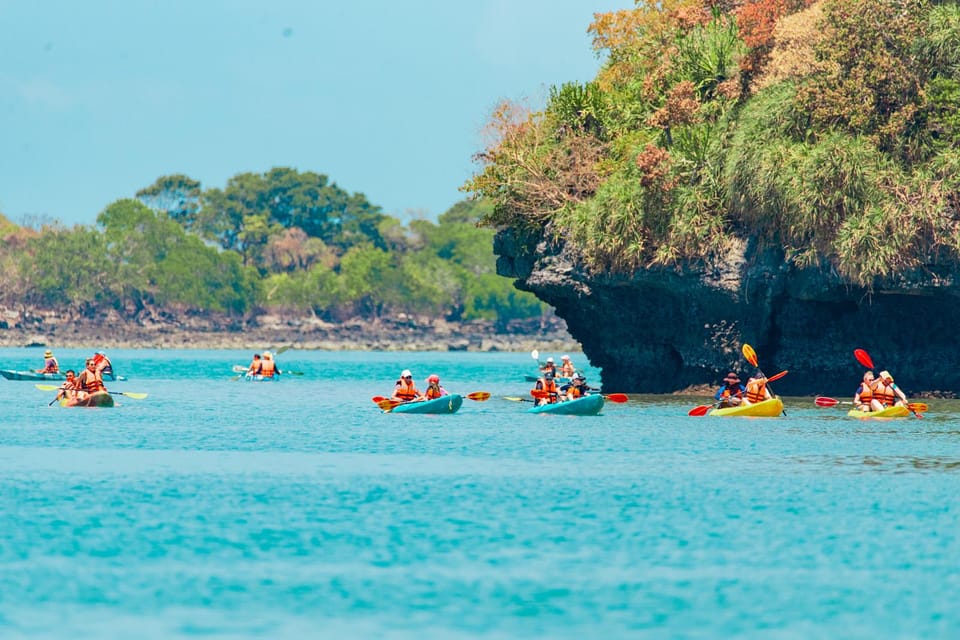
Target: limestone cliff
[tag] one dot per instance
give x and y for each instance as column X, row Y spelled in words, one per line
column 664, row 329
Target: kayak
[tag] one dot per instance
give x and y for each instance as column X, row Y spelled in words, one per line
column 767, row 409
column 584, row 406
column 896, row 411
column 100, row 399
column 259, row 378
column 10, row 374
column 449, row 403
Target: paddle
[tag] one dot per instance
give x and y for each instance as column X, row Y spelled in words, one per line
column 612, row 397
column 130, row 394
column 516, row 399
column 864, row 358
column 824, row 401
column 751, row 357
column 479, row 396
column 704, row 408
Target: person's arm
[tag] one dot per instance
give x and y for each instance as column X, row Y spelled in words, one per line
column 900, row 394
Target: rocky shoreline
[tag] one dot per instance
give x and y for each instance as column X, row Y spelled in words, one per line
column 22, row 328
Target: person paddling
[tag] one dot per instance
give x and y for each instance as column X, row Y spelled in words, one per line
column 89, row 381
column 50, row 364
column 103, row 365
column 268, row 368
column 567, row 370
column 69, row 387
column 549, row 385
column 756, row 390
column 731, row 393
column 255, row 364
column 405, row 390
column 886, row 393
column 577, row 387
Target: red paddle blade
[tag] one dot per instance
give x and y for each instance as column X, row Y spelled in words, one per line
column 379, row 399
column 777, row 376
column 863, row 358
column 479, row 396
column 749, row 354
column 617, row 397
column 699, row 411
column 823, row 401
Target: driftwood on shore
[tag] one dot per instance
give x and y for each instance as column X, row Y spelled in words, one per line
column 52, row 329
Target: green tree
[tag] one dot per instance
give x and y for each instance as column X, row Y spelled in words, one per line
column 178, row 196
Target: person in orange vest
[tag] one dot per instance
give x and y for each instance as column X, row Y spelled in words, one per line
column 103, row 364
column 887, row 394
column 255, row 364
column 50, row 364
column 434, row 390
column 756, row 391
column 576, row 389
column 405, row 389
column 863, row 398
column 549, row 366
column 268, row 368
column 89, row 381
column 567, row 370
column 69, row 388
column 548, row 384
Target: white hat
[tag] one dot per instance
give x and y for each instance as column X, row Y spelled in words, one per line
column 549, row 359
column 564, row 357
column 405, row 373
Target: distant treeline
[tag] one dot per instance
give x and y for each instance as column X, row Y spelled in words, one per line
column 281, row 241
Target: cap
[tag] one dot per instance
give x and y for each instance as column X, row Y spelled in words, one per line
column 405, row 373
column 48, row 354
column 433, row 378
column 549, row 359
column 564, row 357
column 579, row 376
column 886, row 374
column 732, row 377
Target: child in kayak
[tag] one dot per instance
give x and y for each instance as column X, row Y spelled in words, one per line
column 434, row 390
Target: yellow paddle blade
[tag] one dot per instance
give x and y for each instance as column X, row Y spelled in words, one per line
column 749, row 354
column 130, row 394
column 47, row 387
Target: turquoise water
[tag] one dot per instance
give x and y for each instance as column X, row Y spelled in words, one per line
column 223, row 509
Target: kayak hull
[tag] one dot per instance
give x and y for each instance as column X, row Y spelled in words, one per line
column 259, row 378
column 584, row 406
column 10, row 374
column 449, row 403
column 767, row 409
column 887, row 412
column 101, row 399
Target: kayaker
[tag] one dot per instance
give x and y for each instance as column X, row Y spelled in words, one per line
column 89, row 381
column 863, row 398
column 254, row 368
column 549, row 366
column 50, row 364
column 268, row 368
column 577, row 387
column 731, row 393
column 103, row 364
column 434, row 390
column 69, row 387
column 567, row 370
column 548, row 384
column 405, row 390
column 887, row 394
column 756, row 391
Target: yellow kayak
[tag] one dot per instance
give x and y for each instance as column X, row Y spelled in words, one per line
column 767, row 409
column 896, row 411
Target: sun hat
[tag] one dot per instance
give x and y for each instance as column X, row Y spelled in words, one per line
column 405, row 373
column 550, row 360
column 433, row 378
column 267, row 354
column 732, row 377
column 886, row 374
column 564, row 357
column 48, row 354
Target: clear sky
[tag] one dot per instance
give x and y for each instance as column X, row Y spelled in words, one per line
column 99, row 98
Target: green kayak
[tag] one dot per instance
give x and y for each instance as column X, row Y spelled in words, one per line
column 10, row 374
column 447, row 404
column 585, row 406
column 100, row 399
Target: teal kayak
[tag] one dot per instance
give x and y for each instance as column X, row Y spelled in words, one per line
column 449, row 403
column 585, row 406
column 259, row 378
column 10, row 374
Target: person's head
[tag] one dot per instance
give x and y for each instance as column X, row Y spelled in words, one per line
column 256, row 356
column 71, row 374
column 48, row 354
column 548, row 375
column 579, row 379
column 91, row 363
column 433, row 379
column 565, row 358
column 731, row 379
column 868, row 376
column 406, row 375
column 886, row 377
column 267, row 355
column 549, row 360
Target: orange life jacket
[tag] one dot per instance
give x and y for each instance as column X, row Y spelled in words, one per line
column 755, row 390
column 432, row 392
column 866, row 393
column 884, row 393
column 574, row 391
column 405, row 391
column 550, row 386
column 267, row 368
column 89, row 382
